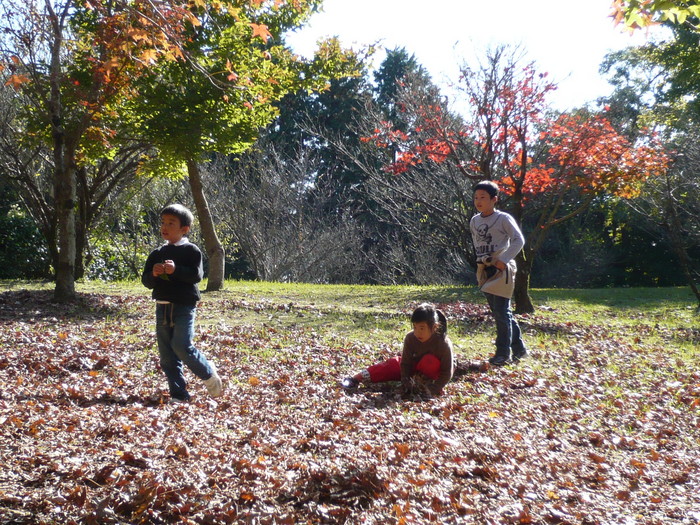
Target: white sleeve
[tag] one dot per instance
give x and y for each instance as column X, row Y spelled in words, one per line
column 517, row 241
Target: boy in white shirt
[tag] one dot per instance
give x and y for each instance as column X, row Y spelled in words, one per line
column 497, row 240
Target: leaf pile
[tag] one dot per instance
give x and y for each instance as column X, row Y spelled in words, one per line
column 596, row 427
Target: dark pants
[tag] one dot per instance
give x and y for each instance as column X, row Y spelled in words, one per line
column 174, row 331
column 507, row 329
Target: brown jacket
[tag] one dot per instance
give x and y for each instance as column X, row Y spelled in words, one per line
column 439, row 346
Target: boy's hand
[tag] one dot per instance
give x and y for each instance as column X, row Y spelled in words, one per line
column 169, row 267
column 500, row 265
column 158, row 269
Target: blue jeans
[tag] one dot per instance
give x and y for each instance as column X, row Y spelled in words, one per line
column 507, row 328
column 174, row 332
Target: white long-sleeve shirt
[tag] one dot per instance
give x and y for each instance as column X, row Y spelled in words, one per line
column 496, row 234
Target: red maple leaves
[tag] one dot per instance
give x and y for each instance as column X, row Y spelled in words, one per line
column 585, row 151
column 510, row 136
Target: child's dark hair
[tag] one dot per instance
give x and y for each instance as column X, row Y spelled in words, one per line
column 427, row 313
column 178, row 210
column 488, row 186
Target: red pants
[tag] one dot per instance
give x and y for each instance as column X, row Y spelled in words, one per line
column 390, row 370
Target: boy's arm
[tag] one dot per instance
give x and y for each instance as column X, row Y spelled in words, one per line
column 147, row 278
column 192, row 271
column 516, row 239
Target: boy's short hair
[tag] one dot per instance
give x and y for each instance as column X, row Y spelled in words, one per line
column 488, row 186
column 178, row 210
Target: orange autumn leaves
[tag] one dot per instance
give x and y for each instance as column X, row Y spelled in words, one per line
column 580, row 151
column 15, row 80
column 587, row 152
column 510, row 134
column 136, row 35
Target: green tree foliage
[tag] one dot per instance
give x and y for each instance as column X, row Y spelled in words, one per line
column 395, row 72
column 662, row 80
column 72, row 64
column 23, row 252
column 675, row 58
column 241, row 69
column 636, row 14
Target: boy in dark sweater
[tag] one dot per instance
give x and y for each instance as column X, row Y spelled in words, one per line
column 172, row 272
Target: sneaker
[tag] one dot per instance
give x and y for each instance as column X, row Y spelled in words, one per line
column 213, row 384
column 349, row 383
column 178, row 400
column 519, row 354
column 498, row 360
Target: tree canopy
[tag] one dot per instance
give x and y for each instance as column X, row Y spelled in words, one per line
column 186, row 77
column 549, row 167
column 636, row 14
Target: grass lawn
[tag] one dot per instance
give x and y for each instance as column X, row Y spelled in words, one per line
column 599, row 425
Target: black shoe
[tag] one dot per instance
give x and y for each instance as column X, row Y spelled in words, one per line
column 520, row 354
column 498, row 360
column 180, row 400
column 349, row 383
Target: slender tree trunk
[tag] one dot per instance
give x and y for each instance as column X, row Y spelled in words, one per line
column 81, row 223
column 65, row 215
column 673, row 229
column 64, row 182
column 213, row 248
column 80, row 247
column 521, row 294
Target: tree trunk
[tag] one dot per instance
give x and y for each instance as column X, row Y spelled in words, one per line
column 81, row 222
column 65, row 217
column 673, row 229
column 64, row 183
column 521, row 294
column 80, row 248
column 212, row 245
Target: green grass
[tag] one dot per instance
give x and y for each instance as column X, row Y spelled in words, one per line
column 670, row 306
column 379, row 313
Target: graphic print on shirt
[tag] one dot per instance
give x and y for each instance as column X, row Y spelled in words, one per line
column 484, row 240
column 483, row 234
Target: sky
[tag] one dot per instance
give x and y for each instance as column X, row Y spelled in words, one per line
column 568, row 39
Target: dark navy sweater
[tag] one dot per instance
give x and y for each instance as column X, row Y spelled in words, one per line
column 181, row 286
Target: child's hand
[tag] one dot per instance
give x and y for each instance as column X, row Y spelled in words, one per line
column 500, row 265
column 158, row 269
column 169, row 267
column 415, row 387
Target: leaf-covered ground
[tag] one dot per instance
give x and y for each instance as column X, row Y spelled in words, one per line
column 600, row 425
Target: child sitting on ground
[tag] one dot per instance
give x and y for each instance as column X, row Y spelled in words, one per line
column 426, row 364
